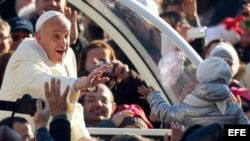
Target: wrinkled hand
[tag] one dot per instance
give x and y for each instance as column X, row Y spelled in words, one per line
column 41, row 116
column 177, row 132
column 119, row 117
column 145, row 91
column 72, row 16
column 93, row 78
column 120, row 70
column 56, row 100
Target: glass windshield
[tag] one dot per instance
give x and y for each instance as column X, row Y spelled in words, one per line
column 171, row 65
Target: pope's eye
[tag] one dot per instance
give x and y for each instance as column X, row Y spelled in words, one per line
column 66, row 36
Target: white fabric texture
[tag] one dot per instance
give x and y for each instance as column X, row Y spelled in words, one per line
column 45, row 17
column 220, row 31
column 27, row 71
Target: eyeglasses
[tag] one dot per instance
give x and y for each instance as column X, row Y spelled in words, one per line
column 92, row 100
column 3, row 37
column 18, row 37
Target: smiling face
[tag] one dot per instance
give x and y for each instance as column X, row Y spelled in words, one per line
column 98, row 106
column 54, row 38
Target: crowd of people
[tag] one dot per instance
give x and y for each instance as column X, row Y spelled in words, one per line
column 80, row 77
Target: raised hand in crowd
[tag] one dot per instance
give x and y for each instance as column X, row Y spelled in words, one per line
column 42, row 114
column 57, row 101
column 145, row 91
column 94, row 78
column 72, row 16
column 56, row 105
column 177, row 132
column 189, row 7
column 120, row 70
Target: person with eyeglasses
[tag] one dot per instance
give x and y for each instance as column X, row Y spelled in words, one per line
column 5, row 40
column 98, row 105
column 21, row 28
column 123, row 81
column 100, row 110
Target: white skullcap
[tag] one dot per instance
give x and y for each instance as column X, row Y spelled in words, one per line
column 213, row 67
column 45, row 17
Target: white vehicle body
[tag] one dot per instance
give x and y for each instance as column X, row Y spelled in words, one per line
column 150, row 44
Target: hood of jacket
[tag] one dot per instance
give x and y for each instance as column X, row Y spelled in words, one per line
column 214, row 90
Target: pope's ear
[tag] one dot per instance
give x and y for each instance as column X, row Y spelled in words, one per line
column 38, row 36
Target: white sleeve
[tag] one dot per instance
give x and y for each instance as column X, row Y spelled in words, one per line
column 78, row 127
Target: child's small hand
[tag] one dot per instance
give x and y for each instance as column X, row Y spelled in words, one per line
column 145, row 91
column 119, row 117
column 236, row 99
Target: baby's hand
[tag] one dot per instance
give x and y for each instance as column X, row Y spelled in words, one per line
column 119, row 117
column 145, row 91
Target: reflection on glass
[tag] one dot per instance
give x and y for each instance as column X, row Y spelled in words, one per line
column 177, row 72
column 144, row 31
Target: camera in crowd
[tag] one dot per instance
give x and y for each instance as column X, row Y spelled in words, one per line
column 196, row 32
column 24, row 105
column 103, row 62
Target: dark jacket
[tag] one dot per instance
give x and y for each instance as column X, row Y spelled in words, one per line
column 210, row 132
column 59, row 130
column 106, row 124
